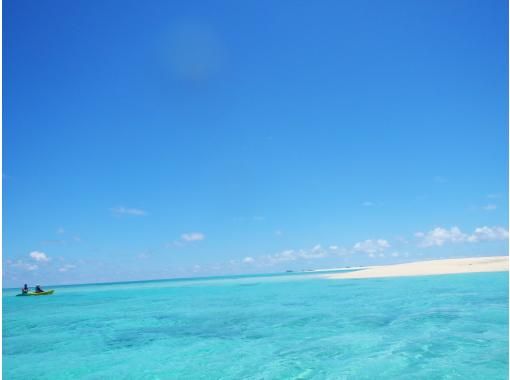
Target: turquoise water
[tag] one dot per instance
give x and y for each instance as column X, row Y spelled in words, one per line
column 288, row 327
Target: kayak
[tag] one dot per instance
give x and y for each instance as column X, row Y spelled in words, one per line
column 46, row 293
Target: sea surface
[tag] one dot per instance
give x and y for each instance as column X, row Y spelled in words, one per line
column 263, row 327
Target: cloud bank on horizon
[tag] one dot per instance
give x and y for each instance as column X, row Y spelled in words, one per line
column 373, row 248
column 369, row 248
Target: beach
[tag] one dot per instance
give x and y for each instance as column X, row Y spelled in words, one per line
column 429, row 268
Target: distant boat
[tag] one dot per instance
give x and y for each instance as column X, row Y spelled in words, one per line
column 289, row 271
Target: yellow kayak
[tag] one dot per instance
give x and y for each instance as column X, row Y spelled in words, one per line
column 46, row 293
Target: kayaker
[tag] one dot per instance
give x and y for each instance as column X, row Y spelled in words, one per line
column 24, row 289
column 38, row 289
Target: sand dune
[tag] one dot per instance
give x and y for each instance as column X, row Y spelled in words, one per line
column 433, row 267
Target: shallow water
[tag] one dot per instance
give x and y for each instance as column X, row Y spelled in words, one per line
column 278, row 327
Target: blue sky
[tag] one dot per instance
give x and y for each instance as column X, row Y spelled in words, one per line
column 160, row 139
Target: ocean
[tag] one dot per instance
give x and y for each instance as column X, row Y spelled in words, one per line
column 262, row 327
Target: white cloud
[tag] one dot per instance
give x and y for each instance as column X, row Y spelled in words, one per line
column 175, row 243
column 287, row 255
column 60, row 230
column 193, row 236
column 493, row 196
column 489, row 207
column 66, row 267
column 143, row 255
column 371, row 246
column 333, row 247
column 128, row 211
column 248, row 260
column 39, row 256
column 395, row 254
column 316, row 252
column 22, row 265
column 439, row 236
column 489, row 233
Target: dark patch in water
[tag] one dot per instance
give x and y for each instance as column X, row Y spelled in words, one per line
column 235, row 328
column 296, row 304
column 375, row 320
column 343, row 284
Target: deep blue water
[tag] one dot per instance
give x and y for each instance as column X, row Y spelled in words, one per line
column 266, row 327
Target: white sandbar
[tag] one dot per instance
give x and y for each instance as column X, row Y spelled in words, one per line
column 433, row 267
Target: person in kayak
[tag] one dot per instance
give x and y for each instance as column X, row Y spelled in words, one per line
column 38, row 289
column 24, row 289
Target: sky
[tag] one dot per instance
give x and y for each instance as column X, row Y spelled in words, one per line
column 146, row 140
